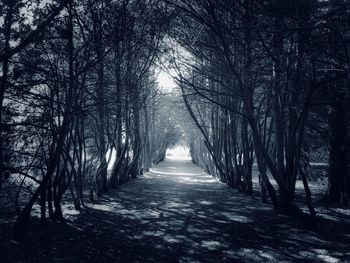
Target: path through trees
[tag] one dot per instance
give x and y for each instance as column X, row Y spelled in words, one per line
column 261, row 99
column 177, row 213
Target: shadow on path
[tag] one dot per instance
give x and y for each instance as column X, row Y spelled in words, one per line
column 177, row 213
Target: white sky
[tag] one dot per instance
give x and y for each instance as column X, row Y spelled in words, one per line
column 165, row 80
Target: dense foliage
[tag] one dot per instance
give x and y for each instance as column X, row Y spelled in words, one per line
column 266, row 82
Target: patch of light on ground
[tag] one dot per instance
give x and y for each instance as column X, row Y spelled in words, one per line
column 68, row 211
column 237, row 218
column 328, row 259
column 211, row 245
column 178, row 153
column 175, row 173
column 104, row 208
column 170, row 239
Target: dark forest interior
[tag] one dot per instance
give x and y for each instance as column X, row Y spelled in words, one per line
column 174, row 131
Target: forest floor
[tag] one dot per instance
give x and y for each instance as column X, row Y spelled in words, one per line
column 177, row 213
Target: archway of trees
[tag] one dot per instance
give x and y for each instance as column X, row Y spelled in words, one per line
column 259, row 83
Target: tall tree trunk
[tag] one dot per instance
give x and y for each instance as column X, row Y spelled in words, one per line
column 101, row 176
column 338, row 170
column 4, row 80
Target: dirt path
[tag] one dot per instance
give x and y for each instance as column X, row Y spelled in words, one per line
column 176, row 213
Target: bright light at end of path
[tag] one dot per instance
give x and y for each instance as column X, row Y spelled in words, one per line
column 165, row 80
column 178, row 153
